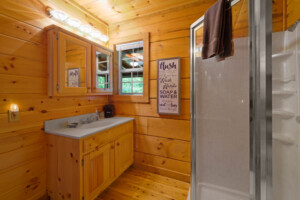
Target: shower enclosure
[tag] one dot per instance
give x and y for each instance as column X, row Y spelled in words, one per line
column 245, row 111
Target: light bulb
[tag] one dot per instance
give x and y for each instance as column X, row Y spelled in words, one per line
column 134, row 64
column 104, row 38
column 85, row 28
column 89, row 38
column 73, row 22
column 14, row 108
column 96, row 34
column 58, row 14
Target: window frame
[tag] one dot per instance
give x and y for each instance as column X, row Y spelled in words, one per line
column 143, row 98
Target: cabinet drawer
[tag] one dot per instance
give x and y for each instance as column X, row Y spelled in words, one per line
column 99, row 139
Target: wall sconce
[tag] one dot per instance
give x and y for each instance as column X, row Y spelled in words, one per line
column 76, row 24
column 13, row 113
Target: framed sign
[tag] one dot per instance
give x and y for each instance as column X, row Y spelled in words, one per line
column 168, row 86
column 74, row 77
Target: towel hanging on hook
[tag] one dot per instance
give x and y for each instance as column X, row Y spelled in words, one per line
column 217, row 31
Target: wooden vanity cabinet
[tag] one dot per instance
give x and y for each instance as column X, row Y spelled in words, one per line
column 80, row 169
column 77, row 66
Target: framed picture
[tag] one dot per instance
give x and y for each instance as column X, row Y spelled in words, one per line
column 74, row 77
column 168, row 86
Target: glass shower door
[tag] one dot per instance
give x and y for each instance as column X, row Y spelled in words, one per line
column 220, row 116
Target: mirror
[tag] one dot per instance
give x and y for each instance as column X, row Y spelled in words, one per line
column 75, row 65
column 102, row 70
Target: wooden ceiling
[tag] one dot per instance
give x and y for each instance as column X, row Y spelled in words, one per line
column 113, row 11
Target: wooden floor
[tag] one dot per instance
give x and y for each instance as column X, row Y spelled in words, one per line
column 140, row 185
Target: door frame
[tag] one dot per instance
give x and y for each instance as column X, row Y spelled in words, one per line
column 260, row 119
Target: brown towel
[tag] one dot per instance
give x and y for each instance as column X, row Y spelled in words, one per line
column 217, row 31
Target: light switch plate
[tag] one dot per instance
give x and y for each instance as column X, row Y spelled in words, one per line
column 13, row 116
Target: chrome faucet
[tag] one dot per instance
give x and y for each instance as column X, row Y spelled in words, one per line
column 90, row 119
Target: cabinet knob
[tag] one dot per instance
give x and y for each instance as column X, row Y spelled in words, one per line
column 118, row 144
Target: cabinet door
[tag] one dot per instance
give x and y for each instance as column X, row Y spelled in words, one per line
column 98, row 170
column 74, row 63
column 124, row 153
column 102, row 71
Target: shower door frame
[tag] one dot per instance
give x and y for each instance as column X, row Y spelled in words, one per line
column 260, row 107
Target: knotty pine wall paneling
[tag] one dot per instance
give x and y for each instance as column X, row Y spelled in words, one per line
column 292, row 12
column 23, row 80
column 162, row 142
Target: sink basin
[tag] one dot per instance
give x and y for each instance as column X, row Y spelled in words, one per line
column 98, row 124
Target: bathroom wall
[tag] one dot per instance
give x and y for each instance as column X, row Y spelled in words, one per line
column 162, row 142
column 23, row 80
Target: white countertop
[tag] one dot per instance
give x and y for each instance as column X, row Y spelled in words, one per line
column 84, row 130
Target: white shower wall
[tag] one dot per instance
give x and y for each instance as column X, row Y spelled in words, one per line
column 286, row 109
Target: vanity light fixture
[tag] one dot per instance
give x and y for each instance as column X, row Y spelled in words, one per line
column 76, row 23
column 103, row 38
column 96, row 34
column 58, row 14
column 85, row 28
column 73, row 22
column 13, row 113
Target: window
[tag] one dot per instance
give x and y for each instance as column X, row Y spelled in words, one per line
column 131, row 72
column 131, row 66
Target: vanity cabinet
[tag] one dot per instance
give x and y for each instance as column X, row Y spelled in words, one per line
column 77, row 66
column 80, row 169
